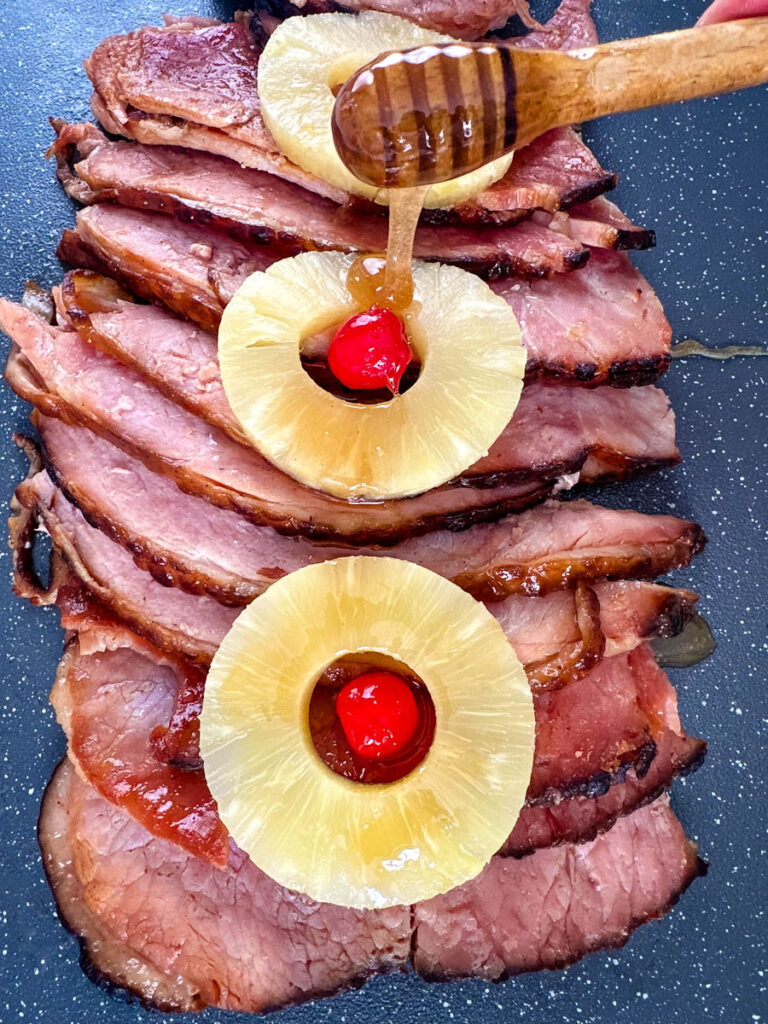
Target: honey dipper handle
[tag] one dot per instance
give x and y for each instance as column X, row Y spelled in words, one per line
column 429, row 114
column 636, row 73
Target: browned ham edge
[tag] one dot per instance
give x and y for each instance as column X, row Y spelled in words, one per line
column 617, row 434
column 260, row 208
column 643, row 864
column 151, row 85
column 523, row 915
column 603, row 434
column 601, row 325
column 559, row 638
column 190, row 543
column 131, row 720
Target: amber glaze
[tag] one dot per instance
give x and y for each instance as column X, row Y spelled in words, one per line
column 385, row 279
column 435, row 112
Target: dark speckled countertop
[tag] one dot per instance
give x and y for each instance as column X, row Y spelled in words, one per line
column 698, row 174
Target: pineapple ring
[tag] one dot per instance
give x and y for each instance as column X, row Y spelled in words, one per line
column 472, row 366
column 340, row 841
column 305, row 58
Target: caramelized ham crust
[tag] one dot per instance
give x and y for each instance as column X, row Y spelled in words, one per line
column 131, row 717
column 603, row 324
column 559, row 637
column 207, row 550
column 553, row 432
column 256, row 207
column 548, row 910
column 154, row 85
column 111, row 702
column 265, row 947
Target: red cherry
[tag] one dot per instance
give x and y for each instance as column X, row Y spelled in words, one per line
column 378, row 713
column 370, row 351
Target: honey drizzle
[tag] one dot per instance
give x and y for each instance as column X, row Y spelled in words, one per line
column 386, row 279
column 690, row 347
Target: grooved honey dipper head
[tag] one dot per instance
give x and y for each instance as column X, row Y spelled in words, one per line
column 420, row 116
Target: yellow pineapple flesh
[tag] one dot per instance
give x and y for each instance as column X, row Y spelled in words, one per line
column 472, row 366
column 337, row 840
column 302, row 63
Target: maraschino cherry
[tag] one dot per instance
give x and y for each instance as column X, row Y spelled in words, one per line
column 378, row 713
column 370, row 351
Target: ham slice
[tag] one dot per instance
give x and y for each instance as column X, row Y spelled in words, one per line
column 602, row 433
column 603, row 324
column 453, row 17
column 257, row 207
column 265, row 947
column 207, row 550
column 230, row 938
column 131, row 717
column 553, row 432
column 110, row 702
column 152, row 85
column 559, row 637
column 548, row 910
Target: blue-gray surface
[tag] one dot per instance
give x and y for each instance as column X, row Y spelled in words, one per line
column 698, row 175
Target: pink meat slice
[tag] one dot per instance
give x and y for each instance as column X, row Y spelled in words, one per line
column 184, row 541
column 153, row 85
column 559, row 637
column 548, row 910
column 131, row 720
column 616, row 432
column 602, row 324
column 258, row 207
column 67, row 378
column 580, row 819
column 237, row 939
column 111, row 700
column 605, row 323
column 262, row 947
column 540, row 444
column 599, row 224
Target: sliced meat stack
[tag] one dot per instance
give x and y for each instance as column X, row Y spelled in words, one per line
column 165, row 523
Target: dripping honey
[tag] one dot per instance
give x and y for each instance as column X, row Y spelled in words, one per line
column 385, row 279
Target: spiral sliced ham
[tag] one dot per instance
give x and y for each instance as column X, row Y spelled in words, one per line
column 131, row 719
column 259, row 208
column 70, row 379
column 603, row 323
column 602, row 433
column 138, row 905
column 154, row 85
column 546, row 911
column 190, row 543
column 559, row 637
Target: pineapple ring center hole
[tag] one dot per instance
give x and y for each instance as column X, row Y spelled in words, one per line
column 329, row 739
column 314, row 362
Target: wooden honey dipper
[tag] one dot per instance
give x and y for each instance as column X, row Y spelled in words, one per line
column 429, row 114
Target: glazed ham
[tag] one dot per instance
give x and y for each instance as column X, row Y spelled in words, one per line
column 603, row 324
column 602, row 433
column 231, row 938
column 131, row 717
column 619, row 434
column 189, row 543
column 110, row 703
column 450, row 16
column 256, row 207
column 265, row 947
column 548, row 910
column 559, row 637
column 152, row 85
